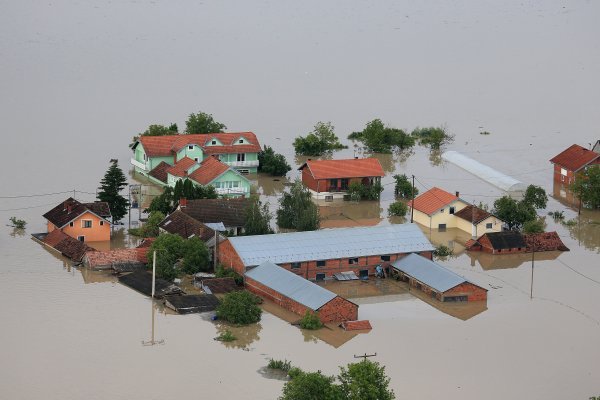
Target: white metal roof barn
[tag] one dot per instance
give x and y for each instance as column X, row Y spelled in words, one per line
column 486, row 173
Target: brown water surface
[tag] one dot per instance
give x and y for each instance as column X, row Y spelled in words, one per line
column 79, row 79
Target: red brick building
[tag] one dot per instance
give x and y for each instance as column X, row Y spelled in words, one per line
column 298, row 295
column 317, row 255
column 333, row 177
column 507, row 242
column 438, row 282
column 568, row 163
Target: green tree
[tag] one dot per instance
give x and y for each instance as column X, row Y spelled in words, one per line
column 533, row 226
column 320, row 141
column 381, row 139
column 403, row 187
column 434, row 137
column 258, row 218
column 170, row 197
column 358, row 191
column 240, row 308
column 150, row 228
column 398, row 208
column 297, row 210
column 195, row 256
column 365, row 380
column 311, row 386
column 17, row 223
column 163, row 203
column 587, row 187
column 272, row 163
column 535, row 196
column 203, row 123
column 110, row 186
column 169, row 250
column 311, row 321
column 513, row 213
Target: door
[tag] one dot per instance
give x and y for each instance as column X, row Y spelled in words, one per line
column 364, row 274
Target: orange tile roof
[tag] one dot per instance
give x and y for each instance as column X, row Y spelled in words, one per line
column 433, row 200
column 575, row 157
column 160, row 171
column 473, row 214
column 180, row 168
column 350, row 168
column 170, row 144
column 97, row 259
column 209, row 169
column 356, row 325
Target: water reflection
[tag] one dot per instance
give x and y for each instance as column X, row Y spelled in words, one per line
column 563, row 195
column 435, row 157
column 17, row 232
column 270, row 185
column 489, row 261
column 587, row 230
column 341, row 213
column 453, row 238
column 245, row 335
column 153, row 341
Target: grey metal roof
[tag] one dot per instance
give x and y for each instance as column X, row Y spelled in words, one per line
column 428, row 272
column 327, row 244
column 291, row 285
column 216, row 226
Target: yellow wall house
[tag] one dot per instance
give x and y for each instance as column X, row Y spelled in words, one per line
column 438, row 209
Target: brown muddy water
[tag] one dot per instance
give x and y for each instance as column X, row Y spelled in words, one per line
column 79, row 79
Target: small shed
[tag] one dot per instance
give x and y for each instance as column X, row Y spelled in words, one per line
column 192, row 303
column 439, row 282
column 508, row 242
column 219, row 285
column 64, row 244
column 297, row 294
column 142, row 282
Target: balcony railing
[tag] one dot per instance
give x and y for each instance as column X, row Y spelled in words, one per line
column 242, row 163
column 236, row 191
column 138, row 164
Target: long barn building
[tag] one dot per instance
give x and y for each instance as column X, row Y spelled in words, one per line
column 317, row 255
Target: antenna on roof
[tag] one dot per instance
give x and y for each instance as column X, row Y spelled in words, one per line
column 365, row 356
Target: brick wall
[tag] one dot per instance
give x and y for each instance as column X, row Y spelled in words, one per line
column 308, row 179
column 229, row 258
column 474, row 292
column 337, row 310
column 487, row 247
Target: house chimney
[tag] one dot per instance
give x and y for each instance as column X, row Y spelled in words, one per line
column 457, row 194
column 69, row 208
column 182, row 202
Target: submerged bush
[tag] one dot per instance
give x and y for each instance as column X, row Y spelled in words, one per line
column 240, row 308
column 311, row 321
column 442, row 251
column 17, row 223
column 226, row 336
column 283, row 365
column 398, row 208
column 222, row 272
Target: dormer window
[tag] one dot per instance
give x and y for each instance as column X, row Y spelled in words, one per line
column 191, row 147
column 213, row 142
column 241, row 141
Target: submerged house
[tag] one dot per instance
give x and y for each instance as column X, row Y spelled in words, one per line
column 508, row 242
column 297, row 294
column 329, row 179
column 64, row 244
column 438, row 209
column 572, row 160
column 226, row 180
column 317, row 255
column 86, row 222
column 438, row 282
column 238, row 150
column 231, row 213
column 120, row 260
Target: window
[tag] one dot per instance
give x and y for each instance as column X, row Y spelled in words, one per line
column 563, row 172
column 320, row 277
column 352, row 261
column 333, row 185
column 71, row 224
column 81, row 238
column 86, row 223
column 442, row 210
column 385, row 258
column 488, row 226
column 236, row 184
column 241, row 157
column 451, row 210
column 196, row 159
column 442, row 227
column 145, row 157
column 344, row 184
column 191, row 147
column 244, row 171
column 241, row 141
column 295, row 265
column 213, row 142
column 320, row 263
column 101, row 223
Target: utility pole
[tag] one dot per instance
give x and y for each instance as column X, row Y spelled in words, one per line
column 532, row 262
column 152, row 341
column 473, row 227
column 216, row 250
column 129, row 213
column 365, row 356
column 412, row 208
column 153, row 272
column 73, row 193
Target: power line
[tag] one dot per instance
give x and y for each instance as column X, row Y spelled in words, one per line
column 577, row 272
column 27, row 208
column 45, row 194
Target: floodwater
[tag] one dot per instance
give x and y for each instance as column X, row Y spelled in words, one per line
column 79, row 79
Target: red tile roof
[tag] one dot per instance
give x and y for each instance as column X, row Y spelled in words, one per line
column 209, row 170
column 473, row 214
column 433, row 200
column 356, row 325
column 66, row 245
column 167, row 145
column 575, row 157
column 545, row 241
column 350, row 168
column 147, row 242
column 160, row 171
column 70, row 209
column 180, row 168
column 98, row 259
column 181, row 224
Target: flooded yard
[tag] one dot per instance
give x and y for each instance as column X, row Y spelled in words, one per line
column 79, row 80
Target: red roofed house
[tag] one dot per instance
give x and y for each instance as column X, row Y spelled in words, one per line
column 86, row 222
column 238, row 150
column 573, row 160
column 438, row 209
column 330, row 178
